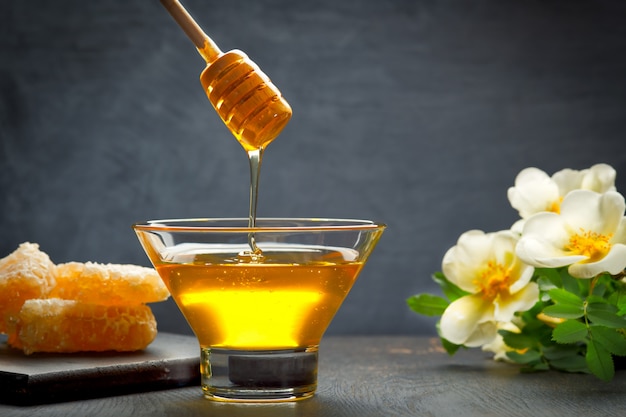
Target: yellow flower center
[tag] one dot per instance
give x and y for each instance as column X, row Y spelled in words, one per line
column 555, row 207
column 493, row 280
column 593, row 245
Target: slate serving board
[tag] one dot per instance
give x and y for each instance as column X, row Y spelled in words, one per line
column 170, row 361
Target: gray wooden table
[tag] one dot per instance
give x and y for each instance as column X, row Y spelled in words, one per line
column 385, row 376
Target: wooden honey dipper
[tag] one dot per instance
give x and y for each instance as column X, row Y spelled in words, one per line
column 251, row 106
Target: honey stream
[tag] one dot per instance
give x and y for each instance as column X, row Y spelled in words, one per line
column 255, row 158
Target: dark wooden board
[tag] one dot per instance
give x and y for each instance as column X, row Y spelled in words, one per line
column 389, row 376
column 170, row 361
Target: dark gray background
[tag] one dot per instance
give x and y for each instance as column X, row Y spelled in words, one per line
column 416, row 113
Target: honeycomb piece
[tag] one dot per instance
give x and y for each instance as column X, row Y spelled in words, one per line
column 65, row 326
column 24, row 274
column 109, row 284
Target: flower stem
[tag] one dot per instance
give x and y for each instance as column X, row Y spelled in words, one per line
column 593, row 283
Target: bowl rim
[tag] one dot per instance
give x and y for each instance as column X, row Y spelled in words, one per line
column 306, row 224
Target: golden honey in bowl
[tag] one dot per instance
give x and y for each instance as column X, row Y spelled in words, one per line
column 260, row 305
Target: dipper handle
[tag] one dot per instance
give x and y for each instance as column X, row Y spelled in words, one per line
column 205, row 45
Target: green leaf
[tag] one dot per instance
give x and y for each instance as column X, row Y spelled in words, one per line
column 596, row 299
column 593, row 306
column 449, row 289
column 549, row 277
column 535, row 329
column 427, row 304
column 561, row 296
column 564, row 311
column 620, row 296
column 606, row 318
column 599, row 361
column 569, row 283
column 610, row 339
column 530, row 356
column 450, row 347
column 518, row 340
column 600, row 289
column 567, row 305
column 557, row 352
column 535, row 367
column 570, row 363
column 567, row 358
column 545, row 284
column 570, row 331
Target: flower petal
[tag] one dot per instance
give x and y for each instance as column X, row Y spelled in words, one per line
column 473, row 246
column 534, row 192
column 599, row 178
column 547, row 226
column 525, row 273
column 542, row 242
column 518, row 226
column 568, row 180
column 485, row 332
column 591, row 211
column 540, row 254
column 497, row 346
column 468, row 321
column 620, row 233
column 507, row 305
column 612, row 207
column 503, row 246
column 460, row 262
column 613, row 263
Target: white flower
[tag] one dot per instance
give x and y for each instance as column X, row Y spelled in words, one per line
column 535, row 191
column 599, row 178
column 589, row 235
column 485, row 265
column 497, row 346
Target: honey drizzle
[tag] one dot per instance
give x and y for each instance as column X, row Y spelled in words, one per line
column 255, row 159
